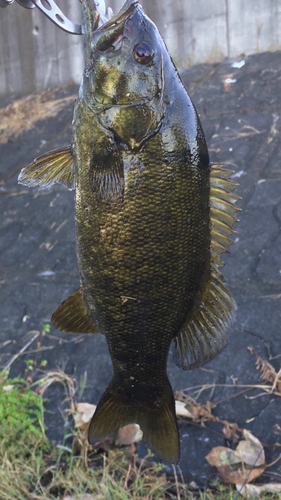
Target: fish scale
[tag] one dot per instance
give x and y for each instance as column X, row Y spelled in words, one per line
column 152, row 218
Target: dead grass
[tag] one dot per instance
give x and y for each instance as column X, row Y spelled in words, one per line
column 23, row 114
column 37, row 470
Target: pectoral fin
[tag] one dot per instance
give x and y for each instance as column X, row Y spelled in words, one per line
column 55, row 167
column 207, row 327
column 106, row 172
column 72, row 316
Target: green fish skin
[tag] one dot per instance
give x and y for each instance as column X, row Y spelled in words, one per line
column 152, row 218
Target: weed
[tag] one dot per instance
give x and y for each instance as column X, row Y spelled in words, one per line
column 33, row 469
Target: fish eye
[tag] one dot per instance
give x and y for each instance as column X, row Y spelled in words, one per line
column 143, row 53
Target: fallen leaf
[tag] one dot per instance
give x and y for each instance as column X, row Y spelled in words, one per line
column 181, row 410
column 254, row 491
column 227, row 81
column 128, row 435
column 221, row 456
column 202, row 413
column 230, row 432
column 193, row 485
column 82, row 418
column 250, row 450
column 240, row 475
column 230, row 467
column 199, row 412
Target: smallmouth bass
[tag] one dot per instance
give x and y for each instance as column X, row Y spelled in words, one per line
column 152, row 218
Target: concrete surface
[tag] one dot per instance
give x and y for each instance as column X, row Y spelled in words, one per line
column 36, row 55
column 38, row 266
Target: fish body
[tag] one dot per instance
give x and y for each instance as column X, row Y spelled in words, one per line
column 152, row 216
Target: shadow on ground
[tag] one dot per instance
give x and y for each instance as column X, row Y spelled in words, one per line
column 240, row 110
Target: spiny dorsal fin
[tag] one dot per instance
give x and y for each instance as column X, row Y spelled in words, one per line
column 207, row 328
column 55, row 167
column 72, row 316
column 222, row 210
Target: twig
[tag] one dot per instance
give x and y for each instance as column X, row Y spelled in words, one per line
column 264, row 387
column 182, row 480
column 233, row 396
column 16, row 356
column 274, row 462
column 41, row 349
column 177, row 482
column 247, row 477
column 276, row 380
column 127, row 477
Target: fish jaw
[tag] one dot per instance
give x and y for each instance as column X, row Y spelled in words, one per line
column 93, row 16
column 90, row 17
column 124, row 13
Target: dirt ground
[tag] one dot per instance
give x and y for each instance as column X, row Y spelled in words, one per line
column 240, row 108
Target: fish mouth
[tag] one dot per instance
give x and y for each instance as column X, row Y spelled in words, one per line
column 122, row 15
column 98, row 29
column 110, row 33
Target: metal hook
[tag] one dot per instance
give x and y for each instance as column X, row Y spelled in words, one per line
column 52, row 11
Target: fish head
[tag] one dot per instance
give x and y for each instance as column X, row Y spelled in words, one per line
column 125, row 75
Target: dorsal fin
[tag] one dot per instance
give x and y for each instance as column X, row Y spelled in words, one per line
column 206, row 330
column 55, row 167
column 72, row 316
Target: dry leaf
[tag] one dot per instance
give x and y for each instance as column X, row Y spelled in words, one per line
column 82, row 418
column 234, row 466
column 240, row 475
column 277, row 429
column 181, row 410
column 227, row 82
column 221, row 456
column 128, row 435
column 193, row 485
column 250, row 450
column 201, row 413
column 254, row 491
column 230, row 432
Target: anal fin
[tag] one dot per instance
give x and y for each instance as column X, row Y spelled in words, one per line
column 207, row 328
column 55, row 167
column 72, row 316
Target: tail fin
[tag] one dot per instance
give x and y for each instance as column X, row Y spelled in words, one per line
column 157, row 421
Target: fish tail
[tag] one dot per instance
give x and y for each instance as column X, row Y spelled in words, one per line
column 157, row 420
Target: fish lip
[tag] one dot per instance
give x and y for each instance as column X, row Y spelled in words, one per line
column 105, row 107
column 122, row 15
